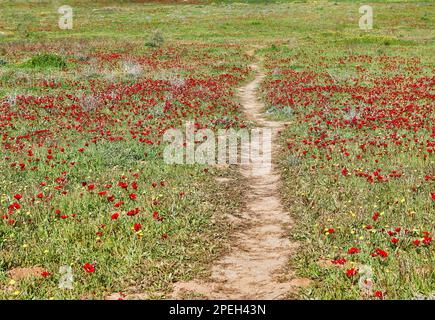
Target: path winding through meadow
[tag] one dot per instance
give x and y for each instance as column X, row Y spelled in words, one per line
column 261, row 247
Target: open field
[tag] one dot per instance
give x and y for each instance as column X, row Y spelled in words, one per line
column 358, row 167
column 83, row 113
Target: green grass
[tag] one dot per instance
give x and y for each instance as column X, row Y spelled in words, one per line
column 206, row 39
column 145, row 261
column 319, row 197
column 46, row 61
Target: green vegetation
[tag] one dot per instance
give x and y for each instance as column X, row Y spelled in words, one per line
column 46, row 61
column 105, row 91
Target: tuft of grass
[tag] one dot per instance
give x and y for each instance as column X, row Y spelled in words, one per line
column 379, row 40
column 156, row 39
column 46, row 61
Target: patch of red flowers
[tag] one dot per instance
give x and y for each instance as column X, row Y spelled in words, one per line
column 157, row 217
column 89, row 268
column 351, row 272
column 339, row 261
column 353, row 250
column 378, row 294
column 379, row 252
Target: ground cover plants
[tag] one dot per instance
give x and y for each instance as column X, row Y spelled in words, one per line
column 359, row 149
column 83, row 180
column 88, row 207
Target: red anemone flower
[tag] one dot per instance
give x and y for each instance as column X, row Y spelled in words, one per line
column 89, row 268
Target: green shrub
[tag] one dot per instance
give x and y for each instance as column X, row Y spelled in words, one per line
column 156, row 39
column 46, row 60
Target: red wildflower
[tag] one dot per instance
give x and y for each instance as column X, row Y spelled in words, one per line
column 133, row 212
column 380, row 252
column 118, row 204
column 45, row 274
column 378, row 294
column 339, row 261
column 15, row 205
column 115, row 216
column 17, row 196
column 351, row 272
column 353, row 250
column 133, row 196
column 89, row 268
column 427, row 240
column 137, row 227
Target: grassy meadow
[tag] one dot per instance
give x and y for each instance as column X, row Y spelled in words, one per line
column 83, row 112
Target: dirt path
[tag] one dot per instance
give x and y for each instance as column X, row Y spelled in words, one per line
column 261, row 246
